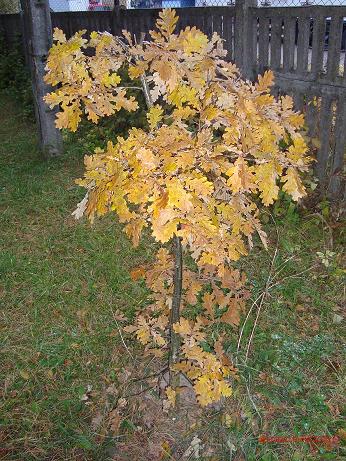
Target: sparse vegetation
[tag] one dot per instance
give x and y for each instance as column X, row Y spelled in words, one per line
column 62, row 301
column 15, row 76
column 9, row 6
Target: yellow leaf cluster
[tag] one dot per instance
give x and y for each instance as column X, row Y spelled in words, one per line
column 215, row 148
column 87, row 84
column 215, row 142
column 208, row 371
column 204, row 369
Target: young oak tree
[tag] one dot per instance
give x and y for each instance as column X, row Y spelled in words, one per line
column 216, row 148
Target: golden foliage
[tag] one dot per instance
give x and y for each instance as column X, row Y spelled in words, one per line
column 216, row 146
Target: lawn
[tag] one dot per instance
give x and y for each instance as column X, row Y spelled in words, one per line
column 64, row 285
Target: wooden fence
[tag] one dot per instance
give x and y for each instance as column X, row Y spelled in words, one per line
column 304, row 46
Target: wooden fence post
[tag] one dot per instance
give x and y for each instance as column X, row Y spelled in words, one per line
column 38, row 30
column 244, row 52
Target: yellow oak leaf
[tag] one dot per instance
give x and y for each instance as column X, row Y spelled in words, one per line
column 296, row 120
column 167, row 73
column 183, row 113
column 154, row 116
column 193, row 40
column 265, row 81
column 225, row 389
column 159, row 203
column 147, row 158
column 54, row 98
column 69, row 117
column 137, row 273
column 183, row 94
column 192, row 289
column 200, row 185
column 164, row 225
column 209, row 303
column 293, row 184
column 167, row 22
column 209, row 258
column 183, row 327
column 134, row 230
column 58, row 35
column 241, row 177
column 232, row 315
column 178, row 197
column 137, row 70
column 297, row 151
column 210, row 113
column 171, row 395
column 286, row 103
column 143, row 335
column 266, row 177
column 110, row 80
column 142, row 330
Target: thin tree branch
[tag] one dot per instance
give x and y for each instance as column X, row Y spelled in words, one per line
column 122, row 338
column 175, row 310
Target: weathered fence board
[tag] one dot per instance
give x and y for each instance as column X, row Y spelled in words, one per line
column 318, row 44
column 305, row 46
column 275, row 43
column 334, row 47
column 336, row 171
column 289, row 34
column 311, row 48
column 263, row 44
column 325, row 117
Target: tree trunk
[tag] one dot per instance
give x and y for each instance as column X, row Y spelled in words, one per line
column 174, row 347
column 175, row 310
column 38, row 39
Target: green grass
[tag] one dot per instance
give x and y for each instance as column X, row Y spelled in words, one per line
column 61, row 282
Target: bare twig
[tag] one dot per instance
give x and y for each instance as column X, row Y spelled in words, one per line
column 129, row 88
column 245, row 321
column 122, row 338
column 152, row 375
column 252, row 402
column 149, row 388
column 282, row 267
column 261, row 297
column 292, row 276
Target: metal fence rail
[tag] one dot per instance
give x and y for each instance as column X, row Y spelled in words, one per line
column 304, row 46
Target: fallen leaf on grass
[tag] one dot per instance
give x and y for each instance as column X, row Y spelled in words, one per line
column 337, row 318
column 24, row 374
column 194, row 449
column 232, row 315
column 171, row 396
column 341, row 433
column 114, row 421
column 137, row 273
column 96, row 421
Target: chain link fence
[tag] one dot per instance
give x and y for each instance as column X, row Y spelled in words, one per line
column 104, row 5
column 13, row 6
column 9, row 6
column 283, row 3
